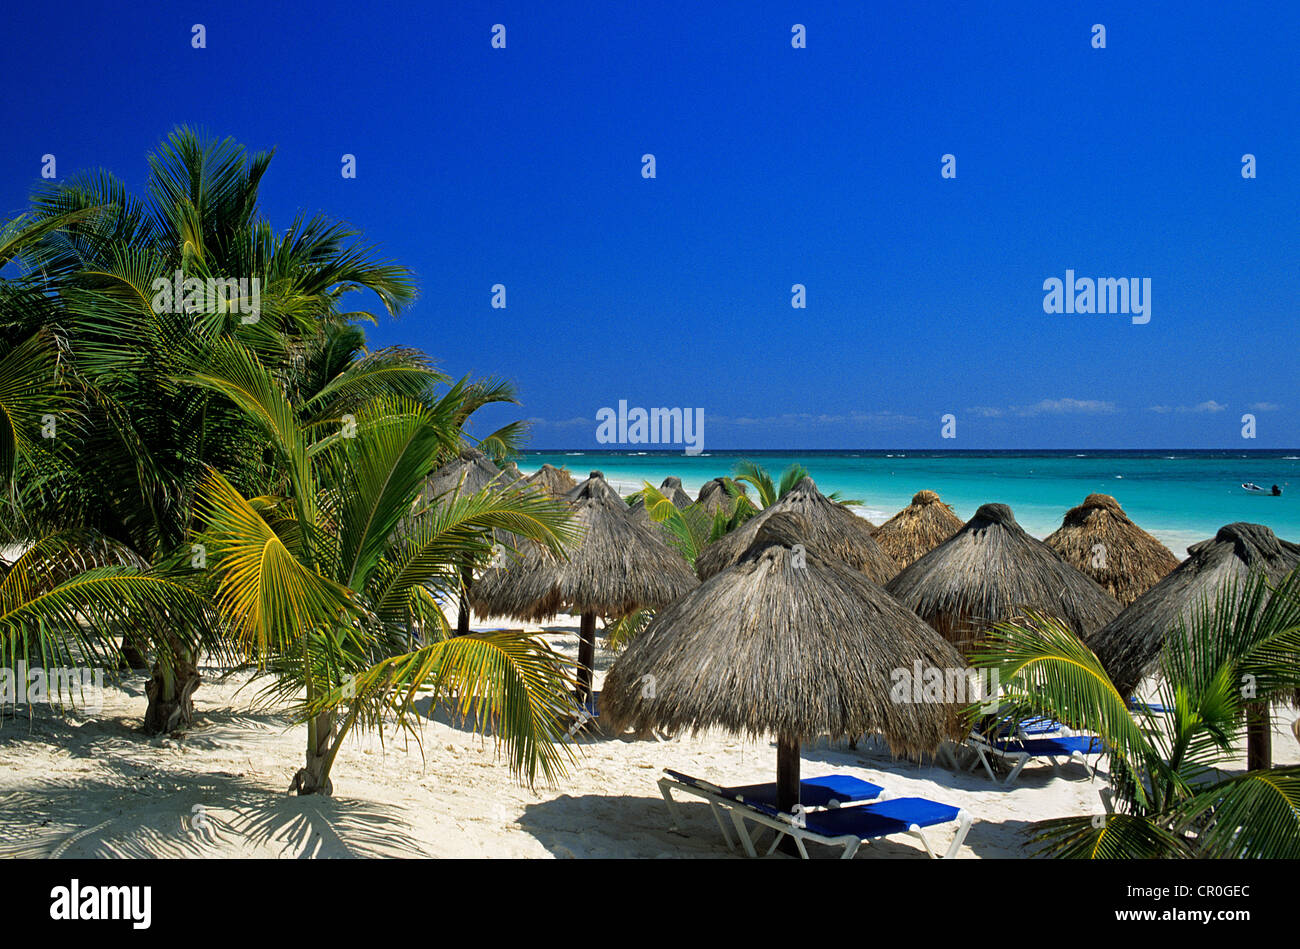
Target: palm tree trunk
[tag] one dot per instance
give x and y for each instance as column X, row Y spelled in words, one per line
column 170, row 691
column 1259, row 737
column 462, row 615
column 586, row 657
column 314, row 776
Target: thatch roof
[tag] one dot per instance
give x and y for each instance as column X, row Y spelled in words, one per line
column 469, row 473
column 593, row 484
column 1129, row 647
column 619, row 565
column 770, row 646
column 672, row 490
column 917, row 529
column 991, row 571
column 832, row 531
column 1098, row 538
column 714, row 497
column 554, row 481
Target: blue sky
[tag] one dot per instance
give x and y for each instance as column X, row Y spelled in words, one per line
column 775, row 166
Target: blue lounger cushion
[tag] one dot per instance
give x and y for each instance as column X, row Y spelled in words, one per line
column 813, row 792
column 1040, row 747
column 868, row 821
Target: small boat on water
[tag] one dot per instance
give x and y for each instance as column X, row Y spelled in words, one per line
column 1253, row 488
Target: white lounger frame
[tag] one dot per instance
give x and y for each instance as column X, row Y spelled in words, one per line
column 1018, row 759
column 784, row 825
column 718, row 802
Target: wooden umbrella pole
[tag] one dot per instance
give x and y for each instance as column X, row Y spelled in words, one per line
column 586, row 656
column 787, row 783
column 1259, row 737
column 787, row 773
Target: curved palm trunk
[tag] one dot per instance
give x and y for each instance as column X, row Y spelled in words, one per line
column 314, row 776
column 170, row 691
column 462, row 615
column 134, row 653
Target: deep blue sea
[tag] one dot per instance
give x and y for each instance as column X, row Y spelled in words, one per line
column 1181, row 497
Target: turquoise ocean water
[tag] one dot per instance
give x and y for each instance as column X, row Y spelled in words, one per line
column 1180, row 497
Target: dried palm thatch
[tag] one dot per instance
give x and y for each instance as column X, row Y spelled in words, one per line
column 469, row 473
column 991, row 571
column 1129, row 647
column 832, row 531
column 672, row 490
column 785, row 643
column 594, row 483
column 714, row 496
column 917, row 529
column 1098, row 538
column 554, row 481
column 620, row 565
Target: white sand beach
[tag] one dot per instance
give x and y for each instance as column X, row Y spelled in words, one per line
column 93, row 786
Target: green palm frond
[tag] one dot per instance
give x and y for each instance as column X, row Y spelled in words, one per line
column 1109, row 837
column 1043, row 665
column 755, row 475
column 511, row 686
column 269, row 597
column 1256, row 814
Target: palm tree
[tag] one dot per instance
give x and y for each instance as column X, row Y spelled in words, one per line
column 769, row 492
column 68, row 596
column 322, row 578
column 132, row 470
column 1171, row 798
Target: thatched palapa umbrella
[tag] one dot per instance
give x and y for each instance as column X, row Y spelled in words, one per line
column 832, row 531
column 554, row 481
column 786, row 643
column 917, row 529
column 671, row 488
column 714, row 496
column 991, row 571
column 620, row 565
column 1098, row 538
column 467, row 474
column 1129, row 647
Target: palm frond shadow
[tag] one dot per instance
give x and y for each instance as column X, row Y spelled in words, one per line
column 221, row 814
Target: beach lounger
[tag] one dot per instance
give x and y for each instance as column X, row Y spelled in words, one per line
column 1036, row 727
column 1154, row 708
column 829, row 791
column 1019, row 752
column 850, row 827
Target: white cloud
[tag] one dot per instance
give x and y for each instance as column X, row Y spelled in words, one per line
column 1048, row 407
column 1209, row 406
